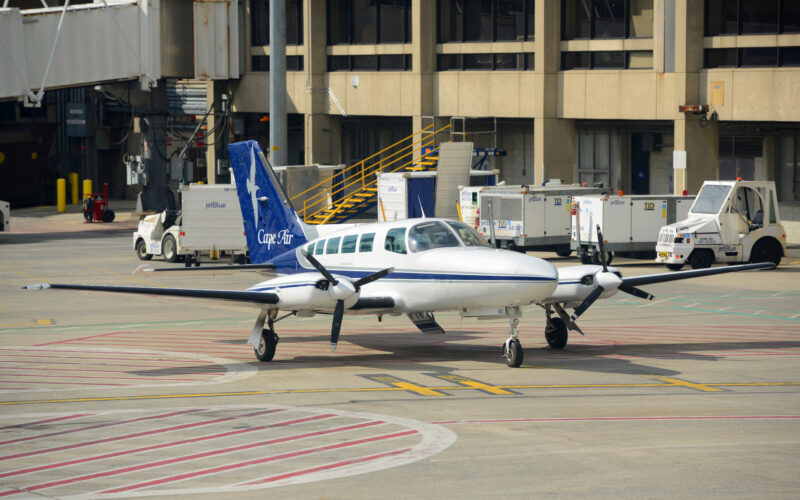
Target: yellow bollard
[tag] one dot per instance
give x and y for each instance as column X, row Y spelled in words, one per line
column 73, row 187
column 61, row 195
column 87, row 188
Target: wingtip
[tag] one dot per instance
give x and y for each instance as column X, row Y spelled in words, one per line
column 37, row 286
column 333, row 347
column 144, row 268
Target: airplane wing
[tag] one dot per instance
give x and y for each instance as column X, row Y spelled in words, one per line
column 233, row 295
column 681, row 275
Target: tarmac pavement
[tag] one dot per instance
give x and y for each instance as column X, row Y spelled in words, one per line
column 695, row 394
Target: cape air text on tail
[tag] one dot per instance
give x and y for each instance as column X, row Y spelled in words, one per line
column 271, row 225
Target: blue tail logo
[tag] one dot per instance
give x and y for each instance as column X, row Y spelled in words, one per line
column 271, row 225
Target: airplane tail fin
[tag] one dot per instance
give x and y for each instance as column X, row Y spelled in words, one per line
column 271, row 224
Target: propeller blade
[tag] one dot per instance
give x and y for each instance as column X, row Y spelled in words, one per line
column 372, row 277
column 338, row 312
column 602, row 249
column 588, row 301
column 319, row 267
column 636, row 292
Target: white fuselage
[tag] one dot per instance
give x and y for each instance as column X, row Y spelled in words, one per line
column 436, row 279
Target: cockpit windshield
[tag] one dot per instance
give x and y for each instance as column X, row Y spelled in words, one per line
column 469, row 236
column 710, row 199
column 430, row 235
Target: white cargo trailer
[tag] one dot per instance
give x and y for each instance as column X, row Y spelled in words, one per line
column 529, row 217
column 208, row 227
column 629, row 223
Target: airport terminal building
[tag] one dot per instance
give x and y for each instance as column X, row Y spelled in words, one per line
column 643, row 96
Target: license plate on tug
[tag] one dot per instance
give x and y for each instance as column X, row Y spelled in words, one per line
column 662, row 254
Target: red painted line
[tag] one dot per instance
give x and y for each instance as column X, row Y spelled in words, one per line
column 59, row 369
column 10, row 492
column 273, row 458
column 95, row 384
column 156, row 356
column 617, row 419
column 103, row 377
column 132, row 435
column 79, row 338
column 321, row 468
column 96, row 426
column 151, row 447
column 54, row 419
column 195, row 456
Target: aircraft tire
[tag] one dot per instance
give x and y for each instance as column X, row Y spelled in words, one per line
column 265, row 350
column 169, row 249
column 513, row 354
column 141, row 251
column 556, row 333
column 701, row 259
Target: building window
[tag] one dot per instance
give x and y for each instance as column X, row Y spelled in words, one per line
column 393, row 62
column 261, row 63
column 619, row 59
column 582, row 19
column 751, row 17
column 596, row 154
column 369, row 22
column 485, row 62
column 259, row 22
column 764, row 57
column 485, row 20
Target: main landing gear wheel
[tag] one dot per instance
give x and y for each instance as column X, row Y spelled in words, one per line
column 556, row 333
column 512, row 351
column 265, row 350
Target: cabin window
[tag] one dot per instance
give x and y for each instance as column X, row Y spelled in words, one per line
column 332, row 246
column 366, row 242
column 349, row 243
column 469, row 236
column 430, row 235
column 320, row 247
column 396, row 240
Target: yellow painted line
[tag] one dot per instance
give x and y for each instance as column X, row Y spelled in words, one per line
column 22, row 273
column 423, row 391
column 398, row 388
column 684, row 383
column 491, row 389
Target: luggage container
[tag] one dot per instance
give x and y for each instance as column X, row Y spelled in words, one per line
column 630, row 223
column 529, row 217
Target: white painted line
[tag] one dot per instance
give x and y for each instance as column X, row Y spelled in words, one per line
column 793, row 316
column 759, row 311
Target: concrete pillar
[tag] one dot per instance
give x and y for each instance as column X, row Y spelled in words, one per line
column 211, row 147
column 323, row 139
column 553, row 137
column 423, row 54
column 696, row 153
column 553, row 149
column 278, row 128
column 696, row 148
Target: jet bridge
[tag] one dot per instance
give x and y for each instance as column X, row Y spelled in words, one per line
column 114, row 40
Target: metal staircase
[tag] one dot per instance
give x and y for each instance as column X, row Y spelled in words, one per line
column 355, row 188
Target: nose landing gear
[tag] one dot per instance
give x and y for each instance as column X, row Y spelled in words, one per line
column 512, row 349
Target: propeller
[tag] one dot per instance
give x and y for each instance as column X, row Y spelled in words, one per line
column 606, row 280
column 342, row 289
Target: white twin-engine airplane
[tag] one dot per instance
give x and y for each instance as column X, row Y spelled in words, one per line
column 414, row 267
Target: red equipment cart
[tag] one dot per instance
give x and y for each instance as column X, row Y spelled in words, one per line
column 95, row 206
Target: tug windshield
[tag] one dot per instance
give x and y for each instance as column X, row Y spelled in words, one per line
column 710, row 199
column 469, row 236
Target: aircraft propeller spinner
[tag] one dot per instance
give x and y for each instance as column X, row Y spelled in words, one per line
column 342, row 289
